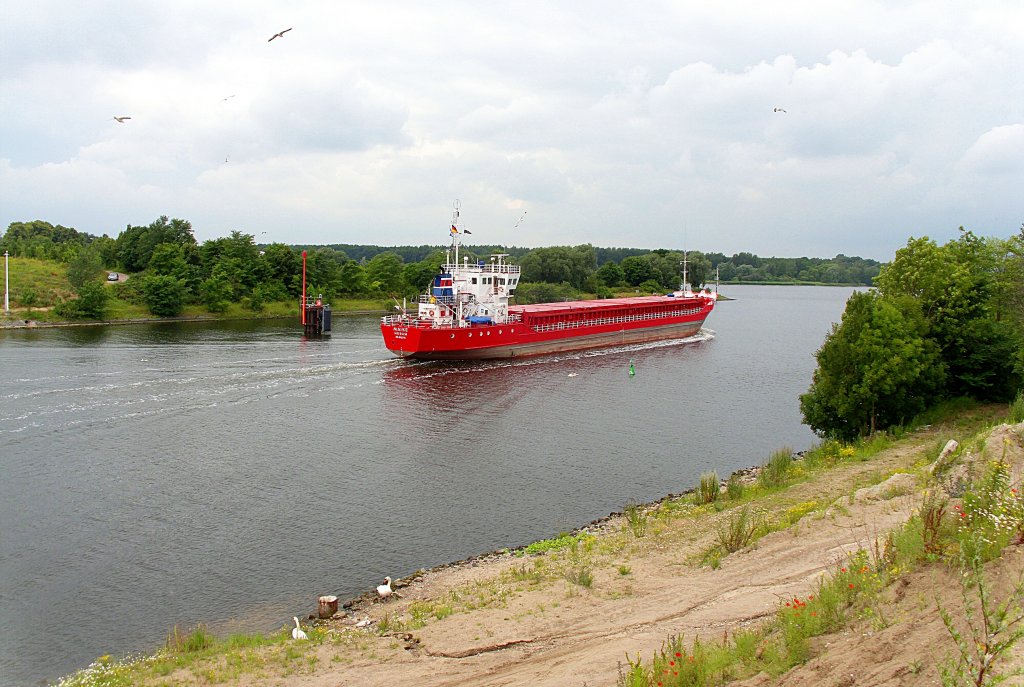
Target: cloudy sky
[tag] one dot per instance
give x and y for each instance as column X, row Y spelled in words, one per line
column 647, row 124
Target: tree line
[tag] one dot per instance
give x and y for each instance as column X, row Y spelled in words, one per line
column 943, row 322
column 171, row 269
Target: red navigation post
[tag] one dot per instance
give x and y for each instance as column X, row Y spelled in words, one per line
column 316, row 315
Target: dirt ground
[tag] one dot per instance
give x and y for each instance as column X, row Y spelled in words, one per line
column 555, row 633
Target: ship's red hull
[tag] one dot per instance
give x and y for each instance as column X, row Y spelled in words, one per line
column 551, row 328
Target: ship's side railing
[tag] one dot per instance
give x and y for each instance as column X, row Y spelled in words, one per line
column 597, row 321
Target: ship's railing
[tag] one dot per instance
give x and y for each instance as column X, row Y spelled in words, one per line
column 622, row 319
column 487, row 267
column 406, row 321
column 443, row 300
column 400, row 320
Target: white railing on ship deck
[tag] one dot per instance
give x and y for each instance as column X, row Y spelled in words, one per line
column 413, row 321
column 487, row 267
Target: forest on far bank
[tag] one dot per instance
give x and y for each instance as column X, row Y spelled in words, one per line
column 170, row 270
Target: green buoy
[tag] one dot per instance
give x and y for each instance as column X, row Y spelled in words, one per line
column 631, row 370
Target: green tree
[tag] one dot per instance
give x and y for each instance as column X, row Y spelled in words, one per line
column 611, row 274
column 543, row 292
column 957, row 285
column 90, row 303
column 384, row 273
column 216, row 293
column 558, row 264
column 351, row 279
column 164, row 295
column 84, row 267
column 283, row 265
column 169, row 259
column 417, row 276
column 637, row 270
column 699, row 269
column 135, row 245
column 876, row 369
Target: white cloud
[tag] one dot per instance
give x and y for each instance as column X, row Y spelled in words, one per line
column 612, row 124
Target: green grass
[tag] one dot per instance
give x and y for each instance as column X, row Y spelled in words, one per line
column 1017, row 409
column 48, row 279
column 562, row 541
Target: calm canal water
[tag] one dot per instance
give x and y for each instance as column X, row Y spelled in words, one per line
column 172, row 474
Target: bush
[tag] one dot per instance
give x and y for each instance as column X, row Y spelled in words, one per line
column 91, row 303
column 738, row 532
column 164, row 295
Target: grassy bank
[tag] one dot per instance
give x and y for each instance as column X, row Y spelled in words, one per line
column 120, row 312
column 604, row 563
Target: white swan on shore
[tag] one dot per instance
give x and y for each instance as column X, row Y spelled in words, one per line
column 297, row 632
column 384, row 591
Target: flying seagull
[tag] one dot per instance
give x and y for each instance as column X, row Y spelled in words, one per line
column 280, row 34
column 121, row 119
column 777, row 109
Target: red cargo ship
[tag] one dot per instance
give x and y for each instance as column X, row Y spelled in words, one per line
column 466, row 316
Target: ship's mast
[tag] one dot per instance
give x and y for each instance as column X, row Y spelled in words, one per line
column 455, row 231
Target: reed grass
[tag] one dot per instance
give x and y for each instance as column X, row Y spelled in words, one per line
column 735, row 487
column 775, row 473
column 636, row 519
column 708, row 488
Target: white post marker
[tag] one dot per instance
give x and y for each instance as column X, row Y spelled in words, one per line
column 7, row 302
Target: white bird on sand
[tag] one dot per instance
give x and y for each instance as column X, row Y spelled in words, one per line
column 384, row 591
column 297, row 632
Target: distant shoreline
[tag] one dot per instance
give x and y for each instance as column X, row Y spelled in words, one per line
column 35, row 324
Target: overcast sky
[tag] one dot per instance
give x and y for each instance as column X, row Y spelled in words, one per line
column 646, row 124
